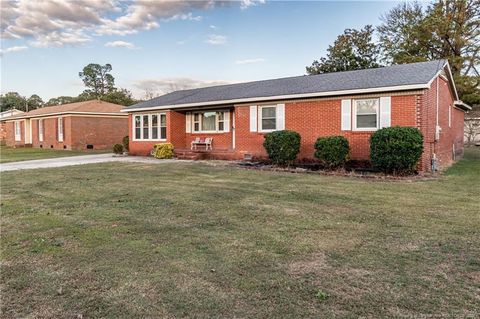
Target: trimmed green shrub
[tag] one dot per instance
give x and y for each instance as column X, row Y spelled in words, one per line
column 125, row 141
column 282, row 146
column 118, row 149
column 163, row 150
column 396, row 149
column 332, row 150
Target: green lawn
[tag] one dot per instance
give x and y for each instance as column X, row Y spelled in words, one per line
column 195, row 240
column 8, row 154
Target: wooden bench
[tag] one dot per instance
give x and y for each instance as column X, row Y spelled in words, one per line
column 202, row 141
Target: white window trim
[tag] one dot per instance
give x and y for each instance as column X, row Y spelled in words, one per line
column 365, row 129
column 17, row 127
column 40, row 130
column 450, row 116
column 216, row 131
column 259, row 117
column 150, row 128
column 60, row 129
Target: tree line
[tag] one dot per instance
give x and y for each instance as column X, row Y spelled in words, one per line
column 446, row 29
column 99, row 83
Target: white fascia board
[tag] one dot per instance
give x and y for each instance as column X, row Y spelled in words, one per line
column 283, row 97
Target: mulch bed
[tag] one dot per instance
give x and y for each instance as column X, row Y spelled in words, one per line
column 359, row 169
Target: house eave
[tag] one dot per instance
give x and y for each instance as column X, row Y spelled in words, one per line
column 21, row 117
column 461, row 105
column 280, row 97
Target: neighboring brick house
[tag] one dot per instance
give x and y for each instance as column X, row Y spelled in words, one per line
column 3, row 127
column 76, row 126
column 353, row 104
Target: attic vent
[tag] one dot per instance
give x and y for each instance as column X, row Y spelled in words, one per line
column 89, row 146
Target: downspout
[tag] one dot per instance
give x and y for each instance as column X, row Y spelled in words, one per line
column 437, row 131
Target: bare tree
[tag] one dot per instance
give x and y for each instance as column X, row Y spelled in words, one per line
column 472, row 130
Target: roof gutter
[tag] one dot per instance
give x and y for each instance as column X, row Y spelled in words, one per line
column 282, row 97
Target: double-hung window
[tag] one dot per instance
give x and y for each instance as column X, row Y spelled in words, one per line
column 18, row 131
column 60, row 129
column 150, row 127
column 366, row 114
column 40, row 130
column 210, row 122
column 268, row 118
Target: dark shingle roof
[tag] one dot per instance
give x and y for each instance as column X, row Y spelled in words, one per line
column 396, row 75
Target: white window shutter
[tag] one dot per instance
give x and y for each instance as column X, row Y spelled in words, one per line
column 253, row 118
column 280, row 117
column 385, row 111
column 188, row 122
column 346, row 115
column 226, row 121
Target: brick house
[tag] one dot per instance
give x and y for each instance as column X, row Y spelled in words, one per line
column 353, row 104
column 76, row 126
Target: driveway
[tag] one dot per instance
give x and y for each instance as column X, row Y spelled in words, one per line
column 78, row 160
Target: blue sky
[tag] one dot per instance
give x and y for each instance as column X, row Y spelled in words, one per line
column 158, row 47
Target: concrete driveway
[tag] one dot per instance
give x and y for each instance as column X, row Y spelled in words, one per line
column 78, row 160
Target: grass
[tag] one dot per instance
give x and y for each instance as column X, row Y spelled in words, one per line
column 194, row 240
column 9, row 154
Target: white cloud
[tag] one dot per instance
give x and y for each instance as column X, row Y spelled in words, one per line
column 245, row 4
column 60, row 22
column 13, row 49
column 121, row 44
column 250, row 61
column 216, row 39
column 155, row 87
column 213, row 27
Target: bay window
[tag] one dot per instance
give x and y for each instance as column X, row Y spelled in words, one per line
column 150, row 127
column 366, row 112
column 210, row 122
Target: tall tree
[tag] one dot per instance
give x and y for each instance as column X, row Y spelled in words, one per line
column 447, row 29
column 61, row 100
column 97, row 79
column 120, row 96
column 401, row 34
column 12, row 100
column 352, row 50
column 34, row 102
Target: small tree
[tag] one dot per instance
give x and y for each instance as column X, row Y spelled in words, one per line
column 332, row 150
column 396, row 149
column 282, row 146
column 472, row 130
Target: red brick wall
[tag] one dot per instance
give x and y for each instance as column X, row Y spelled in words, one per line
column 50, row 136
column 313, row 119
column 101, row 132
column 10, row 134
column 449, row 136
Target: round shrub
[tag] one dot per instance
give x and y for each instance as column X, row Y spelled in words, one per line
column 332, row 150
column 118, row 149
column 125, row 141
column 396, row 149
column 163, row 150
column 282, row 146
